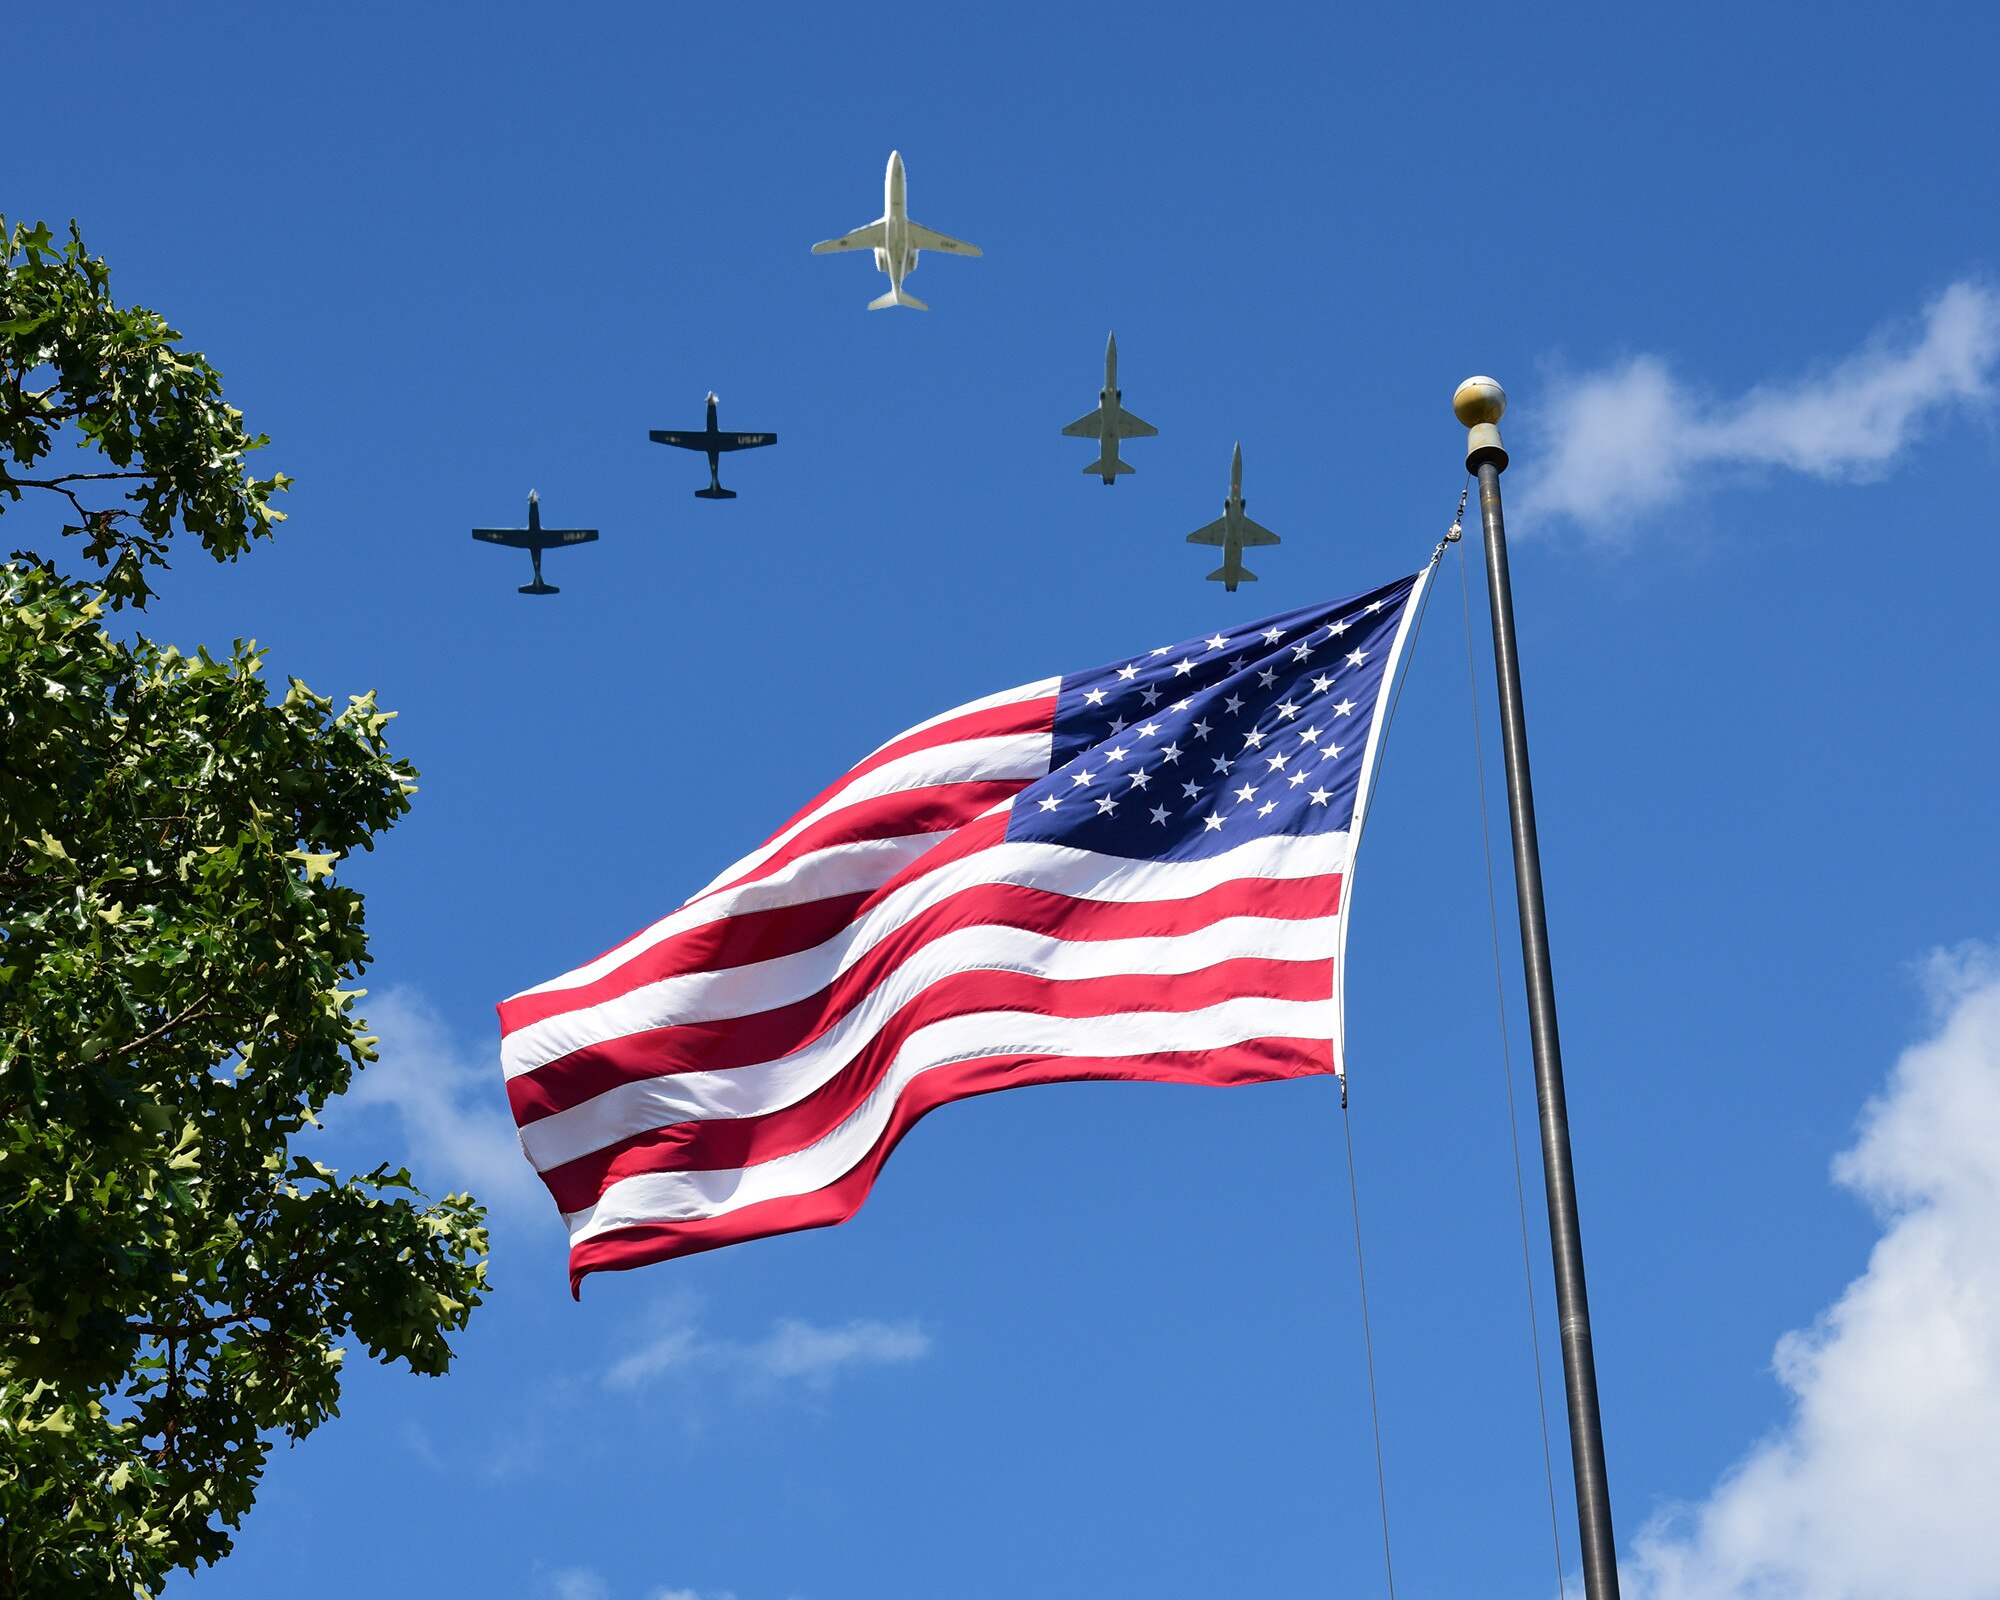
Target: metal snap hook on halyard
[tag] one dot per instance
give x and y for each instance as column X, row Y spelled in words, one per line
column 1457, row 529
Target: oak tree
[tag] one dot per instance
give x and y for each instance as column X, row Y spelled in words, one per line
column 178, row 947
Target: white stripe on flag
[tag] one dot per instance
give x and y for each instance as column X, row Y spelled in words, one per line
column 1059, row 869
column 838, row 869
column 685, row 1196
column 767, row 1086
column 985, row 760
column 1040, row 689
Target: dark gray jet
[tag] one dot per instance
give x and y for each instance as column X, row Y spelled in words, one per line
column 534, row 539
column 1232, row 530
column 713, row 441
column 1110, row 422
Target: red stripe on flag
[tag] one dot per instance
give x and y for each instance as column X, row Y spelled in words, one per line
column 1256, row 1061
column 939, row 809
column 733, row 941
column 995, row 722
column 719, row 1144
column 767, row 1035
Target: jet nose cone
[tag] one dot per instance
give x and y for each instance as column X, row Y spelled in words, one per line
column 533, row 496
column 713, row 397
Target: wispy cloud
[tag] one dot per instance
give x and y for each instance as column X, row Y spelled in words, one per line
column 793, row 1352
column 580, row 1583
column 1883, row 1481
column 1620, row 443
column 448, row 1101
column 577, row 1583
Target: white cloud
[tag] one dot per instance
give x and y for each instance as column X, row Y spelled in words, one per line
column 581, row 1583
column 578, row 1583
column 792, row 1352
column 451, row 1104
column 674, row 1350
column 799, row 1350
column 1616, row 444
column 1884, row 1481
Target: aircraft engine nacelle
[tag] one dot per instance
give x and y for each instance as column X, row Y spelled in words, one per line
column 881, row 259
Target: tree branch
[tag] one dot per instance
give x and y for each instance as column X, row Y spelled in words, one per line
column 72, row 477
column 29, row 404
column 57, row 486
column 199, row 1008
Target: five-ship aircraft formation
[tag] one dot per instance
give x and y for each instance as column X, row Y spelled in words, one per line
column 897, row 242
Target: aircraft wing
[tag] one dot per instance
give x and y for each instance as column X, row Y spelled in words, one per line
column 1130, row 427
column 744, row 441
column 1212, row 534
column 541, row 539
column 1257, row 533
column 675, row 436
column 1086, row 426
column 867, row 238
column 928, row 239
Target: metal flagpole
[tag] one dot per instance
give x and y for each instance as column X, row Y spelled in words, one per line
column 1478, row 404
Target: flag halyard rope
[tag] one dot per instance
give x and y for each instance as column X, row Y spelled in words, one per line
column 1346, row 1118
column 1368, row 1343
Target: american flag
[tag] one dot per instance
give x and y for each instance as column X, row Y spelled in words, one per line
column 1141, row 871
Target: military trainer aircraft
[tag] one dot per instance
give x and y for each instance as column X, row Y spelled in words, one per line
column 895, row 239
column 1232, row 530
column 712, row 441
column 534, row 539
column 1110, row 422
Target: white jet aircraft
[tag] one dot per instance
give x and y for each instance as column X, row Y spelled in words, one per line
column 895, row 239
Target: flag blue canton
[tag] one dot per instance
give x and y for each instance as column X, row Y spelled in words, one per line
column 1193, row 748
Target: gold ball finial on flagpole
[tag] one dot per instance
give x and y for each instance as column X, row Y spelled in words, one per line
column 1479, row 403
column 1479, row 400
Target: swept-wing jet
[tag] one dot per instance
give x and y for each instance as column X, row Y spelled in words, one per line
column 713, row 442
column 895, row 239
column 1232, row 530
column 534, row 539
column 1110, row 422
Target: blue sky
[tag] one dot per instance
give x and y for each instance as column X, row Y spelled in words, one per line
column 1737, row 271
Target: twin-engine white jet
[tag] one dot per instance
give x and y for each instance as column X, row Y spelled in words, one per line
column 895, row 239
column 1110, row 422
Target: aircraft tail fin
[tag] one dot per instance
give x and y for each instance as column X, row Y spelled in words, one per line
column 1108, row 470
column 896, row 297
column 715, row 494
column 539, row 588
column 1230, row 576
